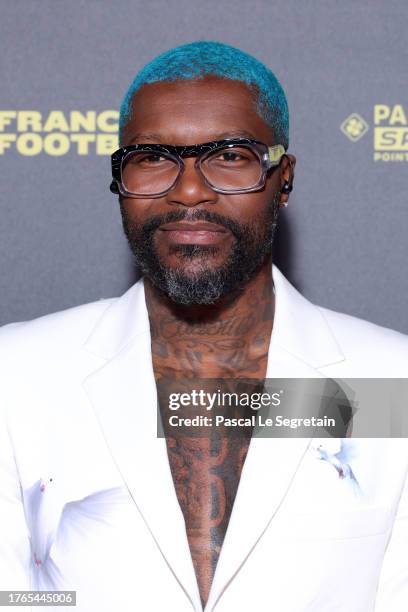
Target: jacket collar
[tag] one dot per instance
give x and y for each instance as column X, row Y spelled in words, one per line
column 120, row 324
column 299, row 327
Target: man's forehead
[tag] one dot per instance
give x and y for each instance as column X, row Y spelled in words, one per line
column 207, row 87
column 200, row 110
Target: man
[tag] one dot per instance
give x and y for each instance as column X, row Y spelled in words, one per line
column 91, row 498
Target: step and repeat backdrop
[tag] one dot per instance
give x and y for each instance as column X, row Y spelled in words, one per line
column 343, row 240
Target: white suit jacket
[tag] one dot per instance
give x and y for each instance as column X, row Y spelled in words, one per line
column 87, row 500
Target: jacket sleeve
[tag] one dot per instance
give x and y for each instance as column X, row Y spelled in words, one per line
column 15, row 550
column 392, row 594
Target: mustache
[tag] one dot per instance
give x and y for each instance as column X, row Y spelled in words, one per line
column 156, row 221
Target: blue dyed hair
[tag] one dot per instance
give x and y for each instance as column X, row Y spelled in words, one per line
column 198, row 59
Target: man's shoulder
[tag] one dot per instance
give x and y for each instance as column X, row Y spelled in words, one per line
column 66, row 327
column 351, row 329
column 363, row 341
column 344, row 343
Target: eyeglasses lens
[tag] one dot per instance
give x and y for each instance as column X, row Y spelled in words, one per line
column 232, row 168
column 148, row 173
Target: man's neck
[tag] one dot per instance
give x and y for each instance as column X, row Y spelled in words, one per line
column 227, row 339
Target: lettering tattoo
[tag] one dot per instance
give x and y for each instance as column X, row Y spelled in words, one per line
column 233, row 347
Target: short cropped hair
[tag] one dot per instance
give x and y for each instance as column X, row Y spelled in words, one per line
column 195, row 60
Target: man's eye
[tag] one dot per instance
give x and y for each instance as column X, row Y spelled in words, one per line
column 145, row 159
column 153, row 158
column 231, row 156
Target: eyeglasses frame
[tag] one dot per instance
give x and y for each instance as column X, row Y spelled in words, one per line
column 269, row 156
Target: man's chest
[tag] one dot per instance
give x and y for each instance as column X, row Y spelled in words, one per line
column 205, row 462
column 206, row 472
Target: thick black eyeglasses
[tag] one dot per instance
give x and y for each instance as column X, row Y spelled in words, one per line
column 234, row 165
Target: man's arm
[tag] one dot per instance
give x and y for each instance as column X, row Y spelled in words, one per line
column 392, row 595
column 15, row 551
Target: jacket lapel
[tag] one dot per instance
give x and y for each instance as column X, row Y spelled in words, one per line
column 301, row 343
column 123, row 395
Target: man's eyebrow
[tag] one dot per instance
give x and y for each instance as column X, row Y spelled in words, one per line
column 144, row 136
column 140, row 137
column 235, row 134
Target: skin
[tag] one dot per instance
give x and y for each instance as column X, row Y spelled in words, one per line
column 229, row 339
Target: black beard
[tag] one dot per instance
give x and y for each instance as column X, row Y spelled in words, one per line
column 253, row 243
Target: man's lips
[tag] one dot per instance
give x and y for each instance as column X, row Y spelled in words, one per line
column 192, row 226
column 194, row 232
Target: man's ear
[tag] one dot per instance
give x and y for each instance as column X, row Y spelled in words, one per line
column 287, row 175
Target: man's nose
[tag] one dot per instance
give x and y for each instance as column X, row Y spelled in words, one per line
column 191, row 188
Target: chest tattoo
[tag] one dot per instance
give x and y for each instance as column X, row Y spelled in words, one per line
column 206, row 472
column 206, row 469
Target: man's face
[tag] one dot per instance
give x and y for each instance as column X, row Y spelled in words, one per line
column 199, row 265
